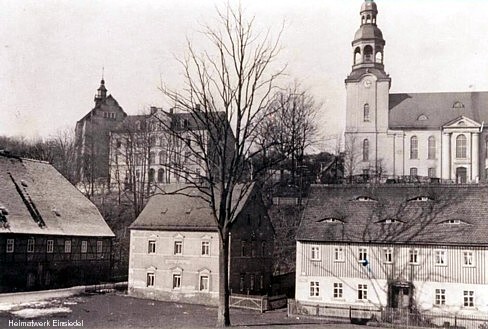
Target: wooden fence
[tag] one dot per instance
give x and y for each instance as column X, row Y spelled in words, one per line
column 257, row 303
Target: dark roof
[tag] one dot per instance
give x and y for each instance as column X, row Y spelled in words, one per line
column 437, row 109
column 183, row 212
column 39, row 200
column 99, row 105
column 358, row 214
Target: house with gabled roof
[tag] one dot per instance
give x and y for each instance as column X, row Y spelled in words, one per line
column 174, row 249
column 50, row 234
column 410, row 248
column 439, row 135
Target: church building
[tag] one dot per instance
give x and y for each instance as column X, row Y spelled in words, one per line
column 432, row 135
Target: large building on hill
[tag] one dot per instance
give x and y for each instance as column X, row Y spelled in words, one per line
column 50, row 234
column 411, row 248
column 92, row 134
column 437, row 135
column 175, row 248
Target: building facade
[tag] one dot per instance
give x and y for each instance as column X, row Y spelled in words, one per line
column 174, row 250
column 50, row 235
column 436, row 135
column 399, row 247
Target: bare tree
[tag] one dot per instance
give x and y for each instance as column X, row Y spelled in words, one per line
column 228, row 84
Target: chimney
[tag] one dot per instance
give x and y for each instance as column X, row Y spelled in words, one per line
column 154, row 109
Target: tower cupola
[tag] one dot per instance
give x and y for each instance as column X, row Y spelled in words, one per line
column 101, row 92
column 368, row 44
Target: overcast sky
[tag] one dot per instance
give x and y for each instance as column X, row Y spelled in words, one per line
column 53, row 52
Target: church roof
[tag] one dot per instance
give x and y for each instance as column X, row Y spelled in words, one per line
column 36, row 199
column 427, row 214
column 434, row 110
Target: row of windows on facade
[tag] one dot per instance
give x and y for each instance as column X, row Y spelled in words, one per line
column 175, row 143
column 205, row 248
column 110, row 115
column 440, row 255
column 362, row 293
column 461, row 148
column 152, row 126
column 162, row 175
column 50, row 246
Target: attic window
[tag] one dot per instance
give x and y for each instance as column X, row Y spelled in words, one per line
column 364, row 198
column 461, row 123
column 56, row 212
column 164, row 211
column 458, row 105
column 421, row 198
column 188, row 210
column 3, row 210
column 422, row 117
column 23, row 183
column 330, row 220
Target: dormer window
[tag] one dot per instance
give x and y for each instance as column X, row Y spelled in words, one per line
column 330, row 220
column 453, row 222
column 421, row 198
column 458, row 105
column 422, row 117
column 390, row 221
column 365, row 199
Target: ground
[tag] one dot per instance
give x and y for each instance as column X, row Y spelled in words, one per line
column 117, row 310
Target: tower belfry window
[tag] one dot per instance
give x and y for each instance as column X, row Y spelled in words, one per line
column 368, row 54
column 366, row 113
column 357, row 55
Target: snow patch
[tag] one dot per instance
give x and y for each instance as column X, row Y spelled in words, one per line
column 34, row 312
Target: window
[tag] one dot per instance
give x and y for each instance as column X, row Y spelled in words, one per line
column 461, row 146
column 440, row 297
column 362, row 291
column 365, row 150
column 204, row 283
column 431, row 148
column 151, row 247
column 50, row 246
column 10, row 246
column 338, row 254
column 414, row 147
column 67, row 246
column 468, row 298
column 363, row 254
column 251, row 281
column 413, row 256
column 30, row 245
column 441, row 257
column 160, row 175
column 388, row 255
column 468, row 258
column 152, row 158
column 263, row 248
column 413, row 172
column 314, row 289
column 178, row 248
column 162, row 157
column 337, row 290
column 432, row 173
column 84, row 247
column 241, row 282
column 177, row 281
column 253, row 248
column 366, row 113
column 243, row 248
column 150, row 280
column 315, row 253
column 205, row 248
column 99, row 247
column 152, row 173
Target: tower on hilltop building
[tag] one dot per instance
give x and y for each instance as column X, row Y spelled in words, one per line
column 367, row 88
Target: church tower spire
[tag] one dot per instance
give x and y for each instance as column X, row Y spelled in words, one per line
column 368, row 44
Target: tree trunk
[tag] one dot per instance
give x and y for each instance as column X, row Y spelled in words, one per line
column 223, row 317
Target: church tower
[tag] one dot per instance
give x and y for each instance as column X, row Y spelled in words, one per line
column 367, row 88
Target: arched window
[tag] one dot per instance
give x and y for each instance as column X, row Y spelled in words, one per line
column 414, row 147
column 366, row 113
column 357, row 55
column 368, row 19
column 431, row 148
column 162, row 157
column 379, row 57
column 151, row 175
column 368, row 53
column 461, row 146
column 152, row 158
column 161, row 175
column 365, row 150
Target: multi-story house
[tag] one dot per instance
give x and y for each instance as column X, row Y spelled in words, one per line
column 50, row 234
column 422, row 248
column 439, row 135
column 174, row 249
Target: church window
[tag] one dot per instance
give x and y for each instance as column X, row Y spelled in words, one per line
column 414, row 147
column 366, row 112
column 365, row 150
column 431, row 148
column 368, row 19
column 461, row 146
column 368, row 53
